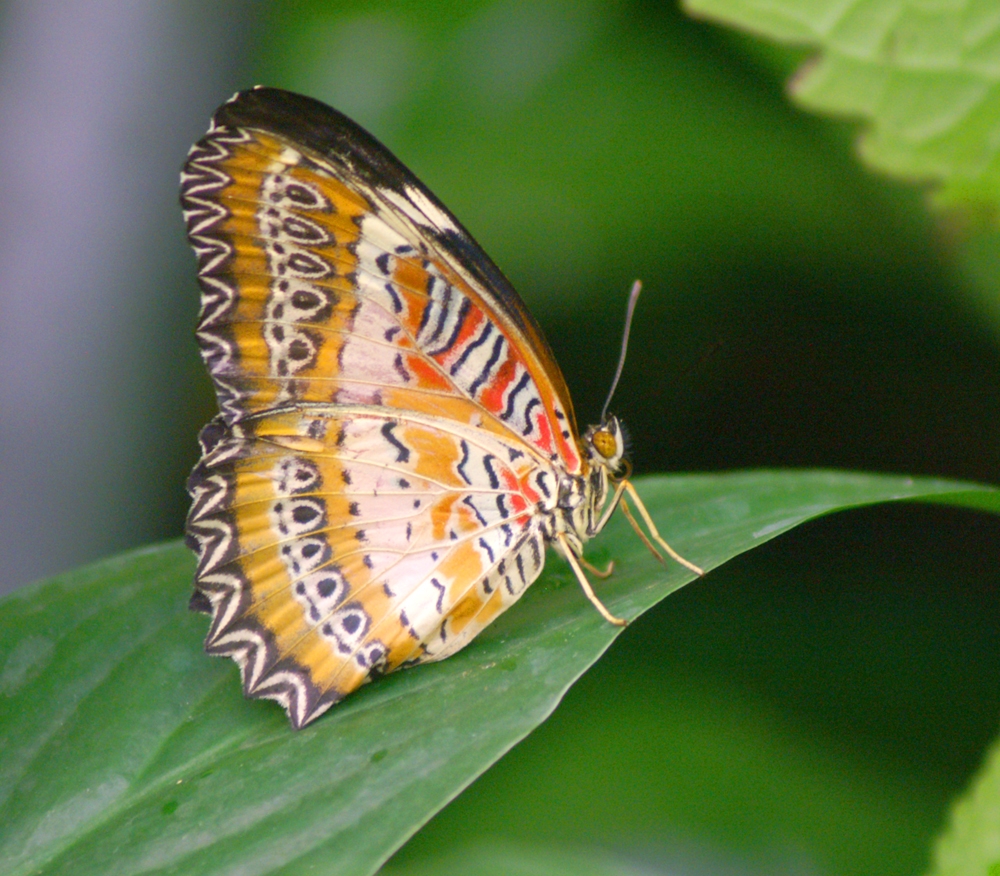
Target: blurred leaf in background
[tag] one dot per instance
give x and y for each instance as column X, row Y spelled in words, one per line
column 924, row 77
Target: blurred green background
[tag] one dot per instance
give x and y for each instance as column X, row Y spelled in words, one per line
column 810, row 708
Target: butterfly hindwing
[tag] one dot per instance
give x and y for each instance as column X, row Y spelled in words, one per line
column 338, row 547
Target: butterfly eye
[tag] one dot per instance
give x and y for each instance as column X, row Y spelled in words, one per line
column 605, row 443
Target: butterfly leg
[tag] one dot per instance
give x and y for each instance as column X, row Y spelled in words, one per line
column 609, row 509
column 600, row 573
column 571, row 558
column 638, row 531
column 627, row 485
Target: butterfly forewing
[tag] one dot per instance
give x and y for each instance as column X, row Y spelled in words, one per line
column 391, row 419
column 320, row 286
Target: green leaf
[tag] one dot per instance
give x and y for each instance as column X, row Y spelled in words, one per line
column 925, row 75
column 125, row 750
column 970, row 846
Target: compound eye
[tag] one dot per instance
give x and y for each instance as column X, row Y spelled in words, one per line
column 605, row 443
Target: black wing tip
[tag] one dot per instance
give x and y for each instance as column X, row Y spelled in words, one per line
column 263, row 105
column 315, row 125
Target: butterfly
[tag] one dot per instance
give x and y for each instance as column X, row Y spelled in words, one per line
column 395, row 446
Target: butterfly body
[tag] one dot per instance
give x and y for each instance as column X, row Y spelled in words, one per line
column 396, row 445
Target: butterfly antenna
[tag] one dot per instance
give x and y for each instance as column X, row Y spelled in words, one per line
column 632, row 298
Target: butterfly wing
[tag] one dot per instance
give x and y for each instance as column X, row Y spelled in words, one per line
column 391, row 417
column 337, row 545
column 331, row 275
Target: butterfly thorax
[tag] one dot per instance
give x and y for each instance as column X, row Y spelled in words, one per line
column 581, row 498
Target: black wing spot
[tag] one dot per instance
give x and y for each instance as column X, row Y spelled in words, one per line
column 508, row 411
column 529, row 426
column 478, row 342
column 304, row 514
column 307, row 264
column 425, row 316
column 300, row 350
column 540, row 480
column 488, row 367
column 439, row 605
column 397, row 302
column 444, row 308
column 485, row 545
column 316, row 429
column 468, row 501
column 488, row 461
column 402, row 451
column 463, row 313
column 460, row 468
column 400, row 368
column 326, row 587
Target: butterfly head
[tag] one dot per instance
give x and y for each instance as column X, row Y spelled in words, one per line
column 606, row 444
